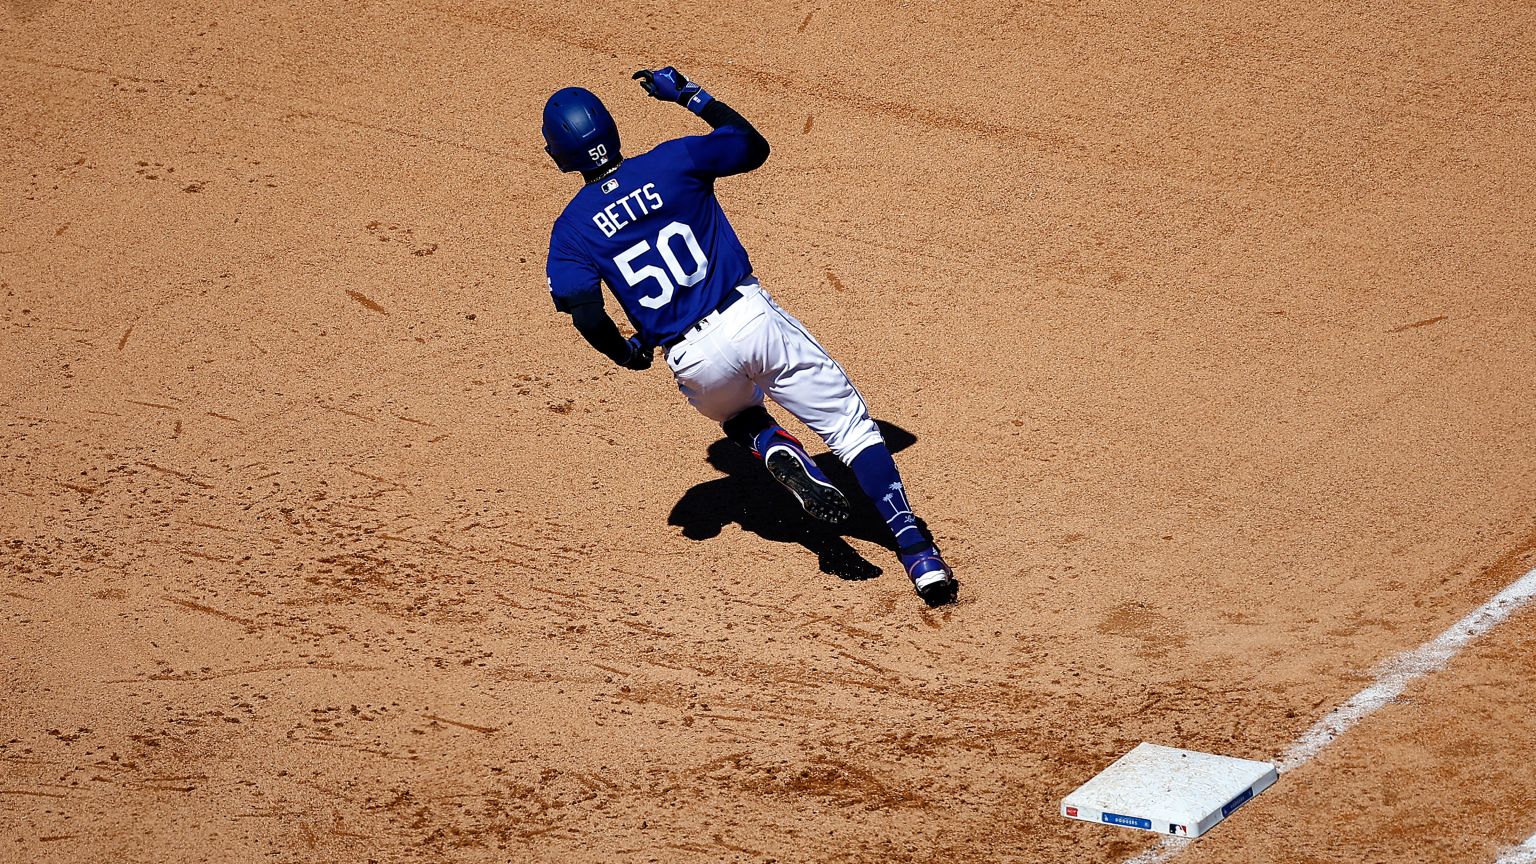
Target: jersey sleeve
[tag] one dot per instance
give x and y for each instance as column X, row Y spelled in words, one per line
column 723, row 152
column 573, row 277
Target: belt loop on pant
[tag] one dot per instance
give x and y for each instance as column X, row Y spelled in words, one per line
column 726, row 302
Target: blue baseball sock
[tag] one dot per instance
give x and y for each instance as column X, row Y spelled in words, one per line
column 878, row 478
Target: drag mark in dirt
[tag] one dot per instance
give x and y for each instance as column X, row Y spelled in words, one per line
column 346, row 412
column 35, row 794
column 208, row 525
column 222, row 416
column 1425, row 323
column 339, row 119
column 209, row 610
column 1392, row 678
column 807, row 22
column 809, row 119
column 367, row 303
column 470, row 726
column 124, row 341
column 187, row 477
column 377, row 479
column 151, row 404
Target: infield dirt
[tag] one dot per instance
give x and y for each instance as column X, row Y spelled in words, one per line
column 1205, row 336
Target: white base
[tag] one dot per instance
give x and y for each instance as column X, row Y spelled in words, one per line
column 1168, row 790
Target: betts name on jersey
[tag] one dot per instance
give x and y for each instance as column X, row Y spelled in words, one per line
column 655, row 234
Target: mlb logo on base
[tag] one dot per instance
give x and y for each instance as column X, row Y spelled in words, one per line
column 1183, row 793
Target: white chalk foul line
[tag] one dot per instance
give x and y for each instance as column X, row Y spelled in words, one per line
column 1392, row 678
column 1525, row 853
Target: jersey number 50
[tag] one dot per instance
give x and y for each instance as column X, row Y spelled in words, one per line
column 679, row 276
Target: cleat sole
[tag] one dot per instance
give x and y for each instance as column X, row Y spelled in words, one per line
column 822, row 500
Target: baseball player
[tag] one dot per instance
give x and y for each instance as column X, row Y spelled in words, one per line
column 650, row 227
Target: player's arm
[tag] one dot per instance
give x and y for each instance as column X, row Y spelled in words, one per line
column 735, row 147
column 576, row 290
column 594, row 325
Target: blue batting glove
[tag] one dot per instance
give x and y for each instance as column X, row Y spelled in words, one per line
column 670, row 85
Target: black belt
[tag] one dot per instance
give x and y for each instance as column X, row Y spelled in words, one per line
column 730, row 298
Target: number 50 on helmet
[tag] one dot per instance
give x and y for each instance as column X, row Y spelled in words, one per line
column 579, row 133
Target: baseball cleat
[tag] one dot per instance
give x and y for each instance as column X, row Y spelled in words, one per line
column 793, row 467
column 931, row 577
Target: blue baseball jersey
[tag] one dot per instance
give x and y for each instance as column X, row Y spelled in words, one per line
column 654, row 232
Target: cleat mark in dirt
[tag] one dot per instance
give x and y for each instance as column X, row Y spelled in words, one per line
column 124, row 340
column 160, row 405
column 648, row 630
column 837, row 284
column 877, row 669
column 378, row 479
column 177, row 474
column 222, row 416
column 462, row 725
column 209, row 610
column 807, row 22
column 367, row 303
column 809, row 119
column 1425, row 323
column 83, row 490
column 345, row 411
column 56, row 837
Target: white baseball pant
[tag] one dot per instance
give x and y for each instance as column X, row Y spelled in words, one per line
column 729, row 360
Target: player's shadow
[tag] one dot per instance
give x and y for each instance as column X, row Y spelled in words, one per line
column 749, row 497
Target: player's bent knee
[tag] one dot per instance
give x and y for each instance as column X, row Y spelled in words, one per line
column 847, row 444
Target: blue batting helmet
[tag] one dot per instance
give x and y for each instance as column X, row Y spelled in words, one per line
column 579, row 133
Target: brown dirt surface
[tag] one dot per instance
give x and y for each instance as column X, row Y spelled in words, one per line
column 1205, row 333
